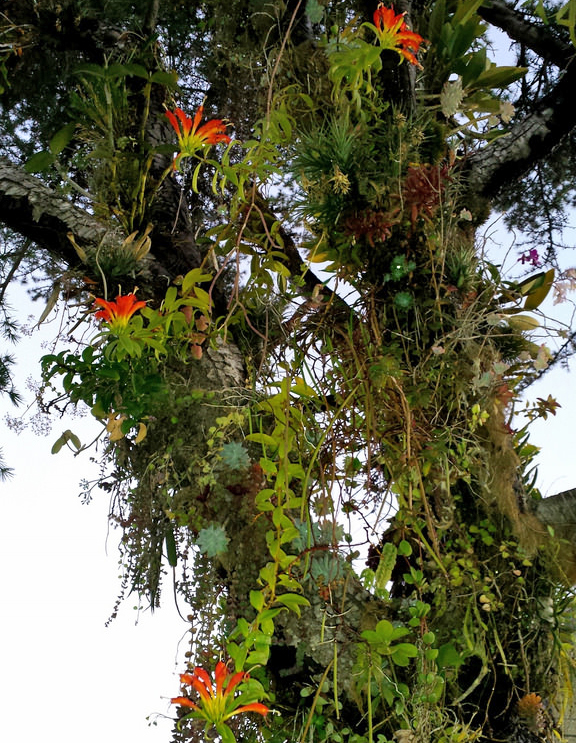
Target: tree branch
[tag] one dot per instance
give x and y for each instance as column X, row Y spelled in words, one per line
column 537, row 37
column 34, row 210
column 529, row 141
column 37, row 212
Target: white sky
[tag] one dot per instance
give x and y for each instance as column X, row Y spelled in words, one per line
column 62, row 673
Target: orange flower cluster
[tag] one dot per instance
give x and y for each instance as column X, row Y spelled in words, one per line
column 393, row 33
column 118, row 313
column 216, row 705
column 192, row 136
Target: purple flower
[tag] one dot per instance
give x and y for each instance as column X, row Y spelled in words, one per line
column 530, row 256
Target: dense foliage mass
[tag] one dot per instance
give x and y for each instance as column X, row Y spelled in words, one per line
column 262, row 219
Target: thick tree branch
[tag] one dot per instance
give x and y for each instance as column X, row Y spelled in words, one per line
column 537, row 37
column 34, row 210
column 528, row 142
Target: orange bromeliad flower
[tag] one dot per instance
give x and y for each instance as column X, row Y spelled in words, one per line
column 118, row 313
column 217, row 705
column 393, row 33
column 192, row 136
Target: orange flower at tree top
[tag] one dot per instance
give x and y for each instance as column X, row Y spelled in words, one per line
column 219, row 704
column 118, row 313
column 393, row 33
column 192, row 136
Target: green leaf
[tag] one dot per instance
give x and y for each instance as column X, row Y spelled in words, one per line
column 171, row 553
column 58, row 444
column 51, row 303
column 566, row 16
column 134, row 69
column 62, row 138
column 522, row 322
column 384, row 633
column 449, row 657
column 404, row 548
column 67, row 436
column 74, row 440
column 499, row 77
column 162, row 77
column 537, row 294
column 402, row 653
column 314, row 11
column 225, row 733
column 90, row 69
column 257, row 600
column 258, row 657
column 40, row 162
column 262, row 438
column 293, row 601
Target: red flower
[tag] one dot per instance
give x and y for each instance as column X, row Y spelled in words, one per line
column 191, row 136
column 118, row 313
column 393, row 33
column 217, row 705
column 423, row 189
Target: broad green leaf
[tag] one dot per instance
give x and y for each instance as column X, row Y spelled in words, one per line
column 225, row 733
column 539, row 293
column 62, row 138
column 194, row 277
column 257, row 600
column 402, row 653
column 293, row 601
column 40, row 162
column 404, row 548
column 499, row 77
column 58, row 444
column 466, row 10
column 90, row 69
column 262, row 438
column 134, row 69
column 448, row 657
column 523, row 322
column 67, row 436
column 162, row 77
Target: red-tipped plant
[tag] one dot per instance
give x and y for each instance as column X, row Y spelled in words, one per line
column 192, row 136
column 393, row 33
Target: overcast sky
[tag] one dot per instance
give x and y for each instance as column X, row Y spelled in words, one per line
column 65, row 676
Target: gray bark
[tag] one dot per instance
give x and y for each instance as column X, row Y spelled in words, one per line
column 528, row 142
column 559, row 512
column 537, row 37
column 37, row 212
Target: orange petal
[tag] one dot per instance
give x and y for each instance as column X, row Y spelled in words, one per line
column 202, row 683
column 258, row 707
column 184, row 702
column 220, row 675
column 235, row 680
column 185, row 120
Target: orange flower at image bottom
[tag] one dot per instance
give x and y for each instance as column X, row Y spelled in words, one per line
column 216, row 705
